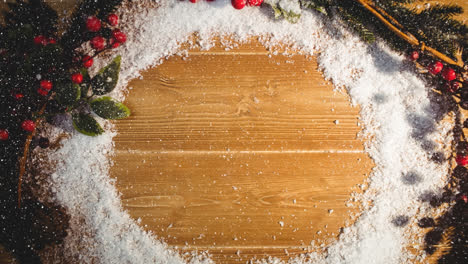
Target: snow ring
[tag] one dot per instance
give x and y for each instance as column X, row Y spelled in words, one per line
column 396, row 114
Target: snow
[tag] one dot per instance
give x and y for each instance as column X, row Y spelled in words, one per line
column 398, row 119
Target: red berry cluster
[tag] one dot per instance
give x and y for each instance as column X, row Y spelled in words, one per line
column 26, row 125
column 194, row 1
column 452, row 82
column 44, row 41
column 44, row 87
column 98, row 42
column 462, row 161
column 239, row 4
column 94, row 24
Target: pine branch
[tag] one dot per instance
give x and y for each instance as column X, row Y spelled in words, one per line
column 357, row 25
column 411, row 40
column 442, row 11
column 36, row 13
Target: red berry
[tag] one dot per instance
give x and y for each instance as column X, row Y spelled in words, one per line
column 414, row 55
column 19, row 96
column 114, row 44
column 87, row 61
column 42, row 92
column 238, row 4
column 3, row 134
column 453, row 87
column 40, row 40
column 98, row 42
column 461, row 160
column 254, row 2
column 119, row 36
column 28, row 125
column 449, row 74
column 464, row 198
column 113, row 19
column 77, row 78
column 193, row 1
column 435, row 67
column 93, row 24
column 46, row 85
column 51, row 41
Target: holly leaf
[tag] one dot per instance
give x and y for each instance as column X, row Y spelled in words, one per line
column 107, row 108
column 86, row 124
column 106, row 80
column 67, row 93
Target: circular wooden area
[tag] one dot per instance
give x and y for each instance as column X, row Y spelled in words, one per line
column 239, row 153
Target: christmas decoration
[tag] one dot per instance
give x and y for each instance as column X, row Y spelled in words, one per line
column 28, row 125
column 113, row 19
column 98, row 43
column 254, row 2
column 93, row 24
column 449, row 74
column 238, row 4
column 40, row 40
column 44, row 54
column 436, row 67
column 119, row 36
column 87, row 61
column 46, row 85
column 42, row 92
column 46, row 74
column 77, row 78
column 414, row 55
column 3, row 134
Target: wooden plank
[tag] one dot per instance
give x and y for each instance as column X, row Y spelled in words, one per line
column 239, row 200
column 238, row 102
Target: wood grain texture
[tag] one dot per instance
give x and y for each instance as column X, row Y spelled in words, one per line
column 239, row 153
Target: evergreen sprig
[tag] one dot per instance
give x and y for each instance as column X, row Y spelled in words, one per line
column 434, row 25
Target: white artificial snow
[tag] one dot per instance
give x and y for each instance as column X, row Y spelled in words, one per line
column 398, row 120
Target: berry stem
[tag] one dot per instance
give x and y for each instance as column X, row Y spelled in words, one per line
column 24, row 158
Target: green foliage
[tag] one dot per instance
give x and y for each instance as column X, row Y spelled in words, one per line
column 434, row 25
column 279, row 12
column 107, row 108
column 357, row 24
column 41, row 17
column 86, row 124
column 67, row 93
column 320, row 6
column 106, row 80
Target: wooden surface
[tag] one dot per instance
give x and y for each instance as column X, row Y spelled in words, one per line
column 238, row 153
